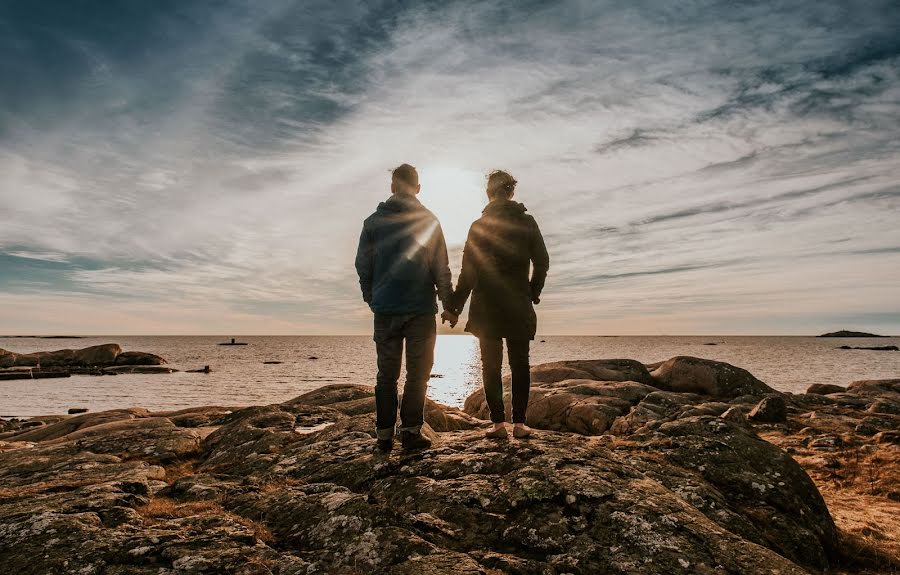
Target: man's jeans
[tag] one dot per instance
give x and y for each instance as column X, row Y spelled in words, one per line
column 420, row 333
column 491, row 362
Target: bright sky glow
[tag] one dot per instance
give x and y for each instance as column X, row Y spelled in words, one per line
column 704, row 166
column 455, row 196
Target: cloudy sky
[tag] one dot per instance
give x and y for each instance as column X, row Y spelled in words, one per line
column 697, row 167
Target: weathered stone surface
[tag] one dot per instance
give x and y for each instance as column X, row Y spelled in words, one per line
column 328, row 505
column 153, row 439
column 678, row 483
column 600, row 370
column 771, row 409
column 138, row 358
column 885, row 388
column 826, row 442
column 811, row 400
column 195, row 416
column 735, row 414
column 251, row 440
column 355, row 399
column 105, row 355
column 745, row 484
column 592, row 407
column 558, row 496
column 885, row 406
column 71, row 424
column 7, row 359
column 582, row 406
column 892, row 437
column 715, row 378
column 825, row 388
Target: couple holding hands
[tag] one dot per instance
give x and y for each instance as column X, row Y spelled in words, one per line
column 402, row 264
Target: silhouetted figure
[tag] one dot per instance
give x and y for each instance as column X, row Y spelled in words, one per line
column 402, row 258
column 502, row 245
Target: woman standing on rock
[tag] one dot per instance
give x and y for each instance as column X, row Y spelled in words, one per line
column 502, row 245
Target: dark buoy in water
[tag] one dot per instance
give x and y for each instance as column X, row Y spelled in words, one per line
column 204, row 369
column 232, row 342
column 313, row 357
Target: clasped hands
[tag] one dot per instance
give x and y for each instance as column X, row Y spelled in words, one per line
column 449, row 316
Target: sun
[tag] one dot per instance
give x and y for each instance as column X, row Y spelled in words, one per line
column 456, row 197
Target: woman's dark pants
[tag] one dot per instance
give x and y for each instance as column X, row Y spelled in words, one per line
column 491, row 362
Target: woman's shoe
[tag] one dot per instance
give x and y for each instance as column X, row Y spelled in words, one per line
column 497, row 433
column 521, row 432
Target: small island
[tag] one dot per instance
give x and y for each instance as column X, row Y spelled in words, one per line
column 847, row 333
column 105, row 359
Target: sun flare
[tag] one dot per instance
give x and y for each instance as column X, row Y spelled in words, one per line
column 455, row 196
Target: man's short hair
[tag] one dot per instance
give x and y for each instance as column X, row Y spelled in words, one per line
column 501, row 184
column 406, row 175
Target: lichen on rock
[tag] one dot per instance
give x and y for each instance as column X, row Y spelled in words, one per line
column 620, row 477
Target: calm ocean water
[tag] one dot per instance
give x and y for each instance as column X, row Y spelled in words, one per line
column 240, row 377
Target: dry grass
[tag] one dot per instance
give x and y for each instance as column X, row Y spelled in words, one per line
column 179, row 469
column 866, row 555
column 875, row 473
column 869, row 530
column 161, row 508
column 280, row 484
column 259, row 530
column 861, row 488
column 165, row 508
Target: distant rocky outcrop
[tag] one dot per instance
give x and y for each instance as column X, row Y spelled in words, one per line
column 846, row 333
column 104, row 355
column 651, row 481
column 873, row 348
column 96, row 360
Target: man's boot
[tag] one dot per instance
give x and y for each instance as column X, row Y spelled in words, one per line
column 413, row 441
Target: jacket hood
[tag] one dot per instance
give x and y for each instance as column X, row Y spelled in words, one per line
column 400, row 203
column 504, row 207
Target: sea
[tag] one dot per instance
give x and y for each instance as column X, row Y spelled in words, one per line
column 239, row 375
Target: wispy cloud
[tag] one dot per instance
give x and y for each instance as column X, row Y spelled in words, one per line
column 690, row 164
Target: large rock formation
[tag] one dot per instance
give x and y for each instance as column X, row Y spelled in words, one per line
column 106, row 355
column 678, row 483
column 715, row 378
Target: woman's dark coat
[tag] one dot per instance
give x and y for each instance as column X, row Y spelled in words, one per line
column 502, row 245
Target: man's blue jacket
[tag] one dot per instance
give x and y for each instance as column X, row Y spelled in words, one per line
column 402, row 259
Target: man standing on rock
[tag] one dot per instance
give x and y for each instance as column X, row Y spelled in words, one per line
column 402, row 258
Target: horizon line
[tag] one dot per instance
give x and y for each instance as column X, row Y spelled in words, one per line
column 537, row 337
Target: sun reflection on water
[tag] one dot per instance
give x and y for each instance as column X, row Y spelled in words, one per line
column 458, row 362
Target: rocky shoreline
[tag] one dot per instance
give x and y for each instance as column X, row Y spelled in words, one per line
column 105, row 359
column 687, row 466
